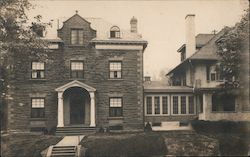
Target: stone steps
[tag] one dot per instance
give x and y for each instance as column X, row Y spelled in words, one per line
column 74, row 130
column 63, row 151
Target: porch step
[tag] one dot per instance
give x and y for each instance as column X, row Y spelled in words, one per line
column 63, row 151
column 74, row 130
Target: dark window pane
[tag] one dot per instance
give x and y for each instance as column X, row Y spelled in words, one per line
column 175, row 104
column 191, row 104
column 157, row 105
column 149, row 105
column 165, row 105
column 183, row 104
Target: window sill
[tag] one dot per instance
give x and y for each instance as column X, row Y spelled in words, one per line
column 223, row 112
column 115, row 79
column 72, row 79
column 33, row 79
column 115, row 118
column 155, row 115
column 38, row 119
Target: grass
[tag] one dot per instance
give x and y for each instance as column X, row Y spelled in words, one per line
column 25, row 144
column 124, row 144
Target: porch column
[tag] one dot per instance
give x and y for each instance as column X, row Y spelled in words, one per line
column 92, row 109
column 60, row 117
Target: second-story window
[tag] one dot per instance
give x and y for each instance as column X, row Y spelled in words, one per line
column 115, row 70
column 115, row 32
column 37, row 70
column 76, row 69
column 76, row 36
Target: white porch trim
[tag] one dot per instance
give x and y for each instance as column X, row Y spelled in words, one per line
column 75, row 83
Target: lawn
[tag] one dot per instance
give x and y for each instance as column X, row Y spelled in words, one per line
column 25, row 144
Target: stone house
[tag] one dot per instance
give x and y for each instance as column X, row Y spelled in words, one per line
column 196, row 89
column 93, row 77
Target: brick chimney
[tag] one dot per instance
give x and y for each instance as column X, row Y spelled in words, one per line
column 190, row 35
column 133, row 25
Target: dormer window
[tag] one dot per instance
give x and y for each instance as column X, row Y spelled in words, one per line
column 115, row 32
column 76, row 36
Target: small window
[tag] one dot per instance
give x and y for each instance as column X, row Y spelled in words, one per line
column 157, row 104
column 149, row 105
column 37, row 70
column 76, row 36
column 175, row 104
column 115, row 32
column 37, row 108
column 76, row 69
column 183, row 104
column 164, row 105
column 115, row 107
column 115, row 70
column 213, row 76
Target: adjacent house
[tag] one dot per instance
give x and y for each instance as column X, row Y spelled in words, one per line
column 200, row 70
column 93, row 77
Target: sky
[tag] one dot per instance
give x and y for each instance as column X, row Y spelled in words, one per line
column 161, row 23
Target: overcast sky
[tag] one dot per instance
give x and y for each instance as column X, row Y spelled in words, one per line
column 161, row 23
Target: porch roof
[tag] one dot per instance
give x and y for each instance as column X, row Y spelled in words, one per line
column 75, row 83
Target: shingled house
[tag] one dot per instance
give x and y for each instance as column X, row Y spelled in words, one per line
column 196, row 90
column 93, row 77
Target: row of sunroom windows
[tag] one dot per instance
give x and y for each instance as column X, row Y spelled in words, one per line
column 162, row 105
column 77, row 70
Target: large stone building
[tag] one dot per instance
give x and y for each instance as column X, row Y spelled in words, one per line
column 93, row 77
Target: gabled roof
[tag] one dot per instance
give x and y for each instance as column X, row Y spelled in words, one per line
column 201, row 40
column 102, row 28
column 207, row 52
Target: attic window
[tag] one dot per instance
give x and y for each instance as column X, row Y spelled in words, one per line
column 115, row 32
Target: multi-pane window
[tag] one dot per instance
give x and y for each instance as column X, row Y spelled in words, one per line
column 115, row 107
column 76, row 69
column 115, row 70
column 157, row 104
column 37, row 70
column 149, row 105
column 164, row 105
column 175, row 105
column 183, row 104
column 37, row 108
column 76, row 36
column 115, row 32
column 191, row 105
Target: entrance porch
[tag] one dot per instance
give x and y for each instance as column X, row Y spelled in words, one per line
column 76, row 105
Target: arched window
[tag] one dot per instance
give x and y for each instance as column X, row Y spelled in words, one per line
column 114, row 32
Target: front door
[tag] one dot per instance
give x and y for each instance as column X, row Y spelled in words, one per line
column 77, row 106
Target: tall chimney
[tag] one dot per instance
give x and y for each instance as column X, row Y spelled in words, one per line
column 190, row 35
column 133, row 25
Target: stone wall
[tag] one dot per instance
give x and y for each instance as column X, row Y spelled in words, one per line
column 96, row 75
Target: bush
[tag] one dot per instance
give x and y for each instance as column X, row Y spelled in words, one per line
column 233, row 137
column 138, row 145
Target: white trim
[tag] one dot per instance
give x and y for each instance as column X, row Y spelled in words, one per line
column 119, row 47
column 179, row 105
column 75, row 83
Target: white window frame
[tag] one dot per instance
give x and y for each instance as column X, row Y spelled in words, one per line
column 153, row 104
column 179, row 104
